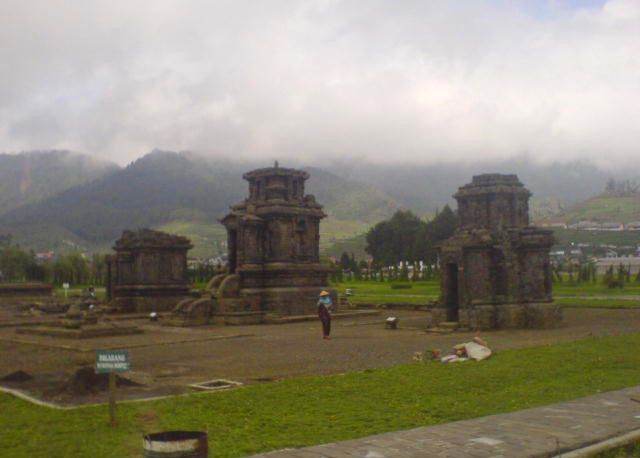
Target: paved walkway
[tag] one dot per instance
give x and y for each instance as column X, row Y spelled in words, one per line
column 540, row 432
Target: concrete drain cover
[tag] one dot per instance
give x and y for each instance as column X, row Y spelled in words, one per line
column 217, row 384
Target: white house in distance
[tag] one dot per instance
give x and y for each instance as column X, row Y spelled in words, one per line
column 603, row 264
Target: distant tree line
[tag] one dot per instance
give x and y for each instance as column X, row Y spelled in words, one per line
column 17, row 264
column 402, row 248
column 202, row 273
column 404, row 272
column 580, row 273
column 622, row 188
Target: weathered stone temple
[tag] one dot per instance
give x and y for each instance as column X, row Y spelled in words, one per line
column 495, row 270
column 273, row 238
column 148, row 272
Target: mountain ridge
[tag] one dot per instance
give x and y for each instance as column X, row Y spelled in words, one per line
column 174, row 190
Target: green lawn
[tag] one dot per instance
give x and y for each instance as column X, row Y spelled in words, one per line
column 373, row 292
column 587, row 302
column 597, row 295
column 314, row 410
column 100, row 292
column 584, row 294
column 594, row 289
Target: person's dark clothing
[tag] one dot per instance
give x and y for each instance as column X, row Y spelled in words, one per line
column 325, row 318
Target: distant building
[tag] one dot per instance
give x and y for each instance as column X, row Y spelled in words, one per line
column 633, row 226
column 585, row 226
column 604, row 264
column 614, row 227
column 555, row 225
column 47, row 255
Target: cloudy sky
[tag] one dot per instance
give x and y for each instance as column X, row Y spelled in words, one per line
column 410, row 80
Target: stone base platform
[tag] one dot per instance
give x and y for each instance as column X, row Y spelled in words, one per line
column 540, row 315
column 238, row 318
column 13, row 293
column 313, row 317
column 146, row 304
column 286, row 301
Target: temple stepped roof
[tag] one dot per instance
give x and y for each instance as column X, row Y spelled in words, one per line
column 148, row 238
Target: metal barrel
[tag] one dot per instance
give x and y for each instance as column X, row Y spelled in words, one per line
column 176, row 444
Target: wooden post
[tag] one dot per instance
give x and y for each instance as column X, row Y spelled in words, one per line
column 112, row 398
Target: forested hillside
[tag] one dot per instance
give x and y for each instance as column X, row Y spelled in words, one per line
column 69, row 202
column 29, row 177
column 182, row 193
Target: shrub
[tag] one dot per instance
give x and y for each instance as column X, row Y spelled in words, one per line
column 401, row 286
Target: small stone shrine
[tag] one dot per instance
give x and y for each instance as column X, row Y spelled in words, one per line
column 148, row 272
column 274, row 258
column 495, row 270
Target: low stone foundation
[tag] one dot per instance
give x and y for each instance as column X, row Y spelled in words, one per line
column 505, row 316
column 287, row 301
column 145, row 304
column 238, row 318
column 24, row 290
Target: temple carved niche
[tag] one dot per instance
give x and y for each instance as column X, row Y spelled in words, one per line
column 148, row 271
column 495, row 270
column 273, row 241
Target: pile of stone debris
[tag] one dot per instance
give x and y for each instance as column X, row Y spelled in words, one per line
column 477, row 350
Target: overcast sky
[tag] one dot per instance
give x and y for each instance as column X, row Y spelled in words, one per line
column 421, row 80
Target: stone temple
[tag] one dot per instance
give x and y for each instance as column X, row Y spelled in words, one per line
column 495, row 270
column 273, row 241
column 148, row 272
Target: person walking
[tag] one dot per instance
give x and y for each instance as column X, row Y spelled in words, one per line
column 324, row 312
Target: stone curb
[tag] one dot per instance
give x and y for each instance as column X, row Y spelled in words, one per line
column 603, row 446
column 27, row 397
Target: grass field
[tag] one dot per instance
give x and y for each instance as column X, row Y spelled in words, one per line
column 579, row 295
column 564, row 237
column 597, row 295
column 605, row 208
column 77, row 291
column 205, row 236
column 381, row 292
column 313, row 410
column 595, row 289
column 586, row 302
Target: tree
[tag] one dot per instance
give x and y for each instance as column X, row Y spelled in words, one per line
column 404, row 272
column 15, row 263
column 393, row 240
column 406, row 238
column 99, row 268
column 345, row 261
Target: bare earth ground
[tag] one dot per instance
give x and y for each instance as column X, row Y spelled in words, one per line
column 166, row 359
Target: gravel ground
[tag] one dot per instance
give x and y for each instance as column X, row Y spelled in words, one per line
column 166, row 359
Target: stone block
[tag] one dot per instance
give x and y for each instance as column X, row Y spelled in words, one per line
column 480, row 317
column 511, row 316
column 543, row 315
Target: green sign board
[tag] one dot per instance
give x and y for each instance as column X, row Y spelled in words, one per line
column 112, row 361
